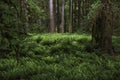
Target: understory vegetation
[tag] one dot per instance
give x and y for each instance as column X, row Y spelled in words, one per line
column 58, row 57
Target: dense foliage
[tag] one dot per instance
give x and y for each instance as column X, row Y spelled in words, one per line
column 38, row 14
column 59, row 57
column 59, row 39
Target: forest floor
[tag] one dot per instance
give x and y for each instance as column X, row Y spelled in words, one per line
column 60, row 57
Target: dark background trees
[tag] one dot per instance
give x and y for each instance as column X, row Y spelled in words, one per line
column 34, row 15
column 62, row 16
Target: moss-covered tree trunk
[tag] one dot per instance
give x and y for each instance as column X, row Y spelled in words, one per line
column 102, row 29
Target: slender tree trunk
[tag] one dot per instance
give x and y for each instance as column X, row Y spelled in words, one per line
column 85, row 7
column 65, row 25
column 58, row 16
column 102, row 30
column 52, row 28
column 75, row 16
column 79, row 12
column 63, row 16
column 55, row 14
column 71, row 17
column 82, row 9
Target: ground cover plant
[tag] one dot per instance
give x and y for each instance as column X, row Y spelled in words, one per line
column 60, row 57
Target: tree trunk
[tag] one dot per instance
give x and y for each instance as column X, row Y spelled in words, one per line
column 58, row 16
column 71, row 17
column 55, row 14
column 83, row 8
column 102, row 29
column 75, row 16
column 51, row 16
column 63, row 16
column 79, row 12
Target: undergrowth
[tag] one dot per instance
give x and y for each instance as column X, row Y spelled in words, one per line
column 59, row 57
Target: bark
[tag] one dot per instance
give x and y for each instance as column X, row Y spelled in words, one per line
column 55, row 14
column 63, row 16
column 58, row 16
column 102, row 29
column 75, row 16
column 51, row 16
column 79, row 12
column 82, row 8
column 71, row 17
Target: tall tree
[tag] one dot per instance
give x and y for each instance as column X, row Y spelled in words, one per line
column 71, row 17
column 102, row 30
column 79, row 12
column 52, row 28
column 55, row 14
column 63, row 16
column 75, row 16
column 58, row 16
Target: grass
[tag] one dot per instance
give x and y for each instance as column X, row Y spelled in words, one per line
column 60, row 57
